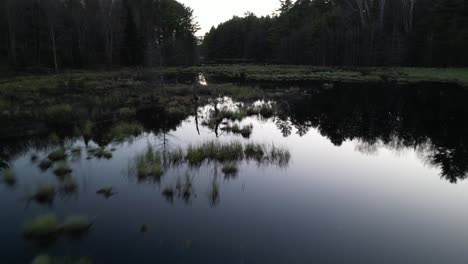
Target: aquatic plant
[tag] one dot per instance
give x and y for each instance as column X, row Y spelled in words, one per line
column 34, row 157
column 59, row 154
column 214, row 193
column 213, row 150
column 42, row 227
column 149, row 164
column 45, row 259
column 45, row 164
column 76, row 150
column 62, row 168
column 44, row 194
column 187, row 187
column 69, row 184
column 42, row 259
column 76, row 225
column 168, row 192
column 106, row 191
column 254, row 151
column 124, row 130
column 280, row 156
column 230, row 169
column 175, row 157
column 9, row 177
column 101, row 153
column 245, row 131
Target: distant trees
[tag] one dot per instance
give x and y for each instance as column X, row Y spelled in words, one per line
column 349, row 32
column 78, row 33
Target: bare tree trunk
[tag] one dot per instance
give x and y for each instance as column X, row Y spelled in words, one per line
column 54, row 48
column 11, row 35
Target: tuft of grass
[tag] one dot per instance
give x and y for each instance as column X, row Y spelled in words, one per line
column 213, row 150
column 149, row 164
column 123, row 130
column 168, row 192
column 102, row 153
column 42, row 259
column 106, row 191
column 59, row 154
column 214, row 193
column 43, row 226
column 62, row 168
column 34, row 157
column 45, row 194
column 9, row 177
column 280, row 156
column 187, row 187
column 254, row 151
column 175, row 157
column 69, row 184
column 45, row 164
column 244, row 131
column 230, row 169
column 76, row 150
column 76, row 225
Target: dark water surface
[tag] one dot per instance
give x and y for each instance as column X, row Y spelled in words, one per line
column 376, row 175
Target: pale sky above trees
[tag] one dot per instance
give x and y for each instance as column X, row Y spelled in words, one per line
column 210, row 13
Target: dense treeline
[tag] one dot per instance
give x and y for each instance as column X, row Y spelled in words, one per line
column 348, row 32
column 82, row 33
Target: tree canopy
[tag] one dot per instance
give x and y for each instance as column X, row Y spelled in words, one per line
column 348, row 32
column 80, row 33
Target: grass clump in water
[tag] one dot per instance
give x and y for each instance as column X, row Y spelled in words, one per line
column 230, row 169
column 59, row 154
column 175, row 157
column 45, row 164
column 102, row 153
column 62, row 168
column 106, row 191
column 42, row 259
column 69, row 184
column 280, row 156
column 34, row 157
column 244, row 131
column 44, row 194
column 212, row 150
column 43, row 226
column 9, row 177
column 149, row 164
column 254, row 151
column 124, row 130
column 76, row 225
column 187, row 188
column 169, row 192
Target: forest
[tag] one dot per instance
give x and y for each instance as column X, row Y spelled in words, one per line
column 93, row 33
column 347, row 33
column 86, row 33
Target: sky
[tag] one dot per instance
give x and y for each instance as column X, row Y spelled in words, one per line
column 210, row 13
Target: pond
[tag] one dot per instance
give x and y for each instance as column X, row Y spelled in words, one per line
column 344, row 173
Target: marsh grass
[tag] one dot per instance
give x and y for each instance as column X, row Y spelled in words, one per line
column 169, row 192
column 101, row 153
column 76, row 150
column 122, row 131
column 69, row 184
column 45, row 164
column 230, row 169
column 45, row 259
column 175, row 157
column 149, row 164
column 214, row 192
column 9, row 177
column 76, row 225
column 44, row 226
column 214, row 151
column 187, row 187
column 245, row 131
column 106, row 191
column 62, row 169
column 34, row 157
column 57, row 155
column 44, row 193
